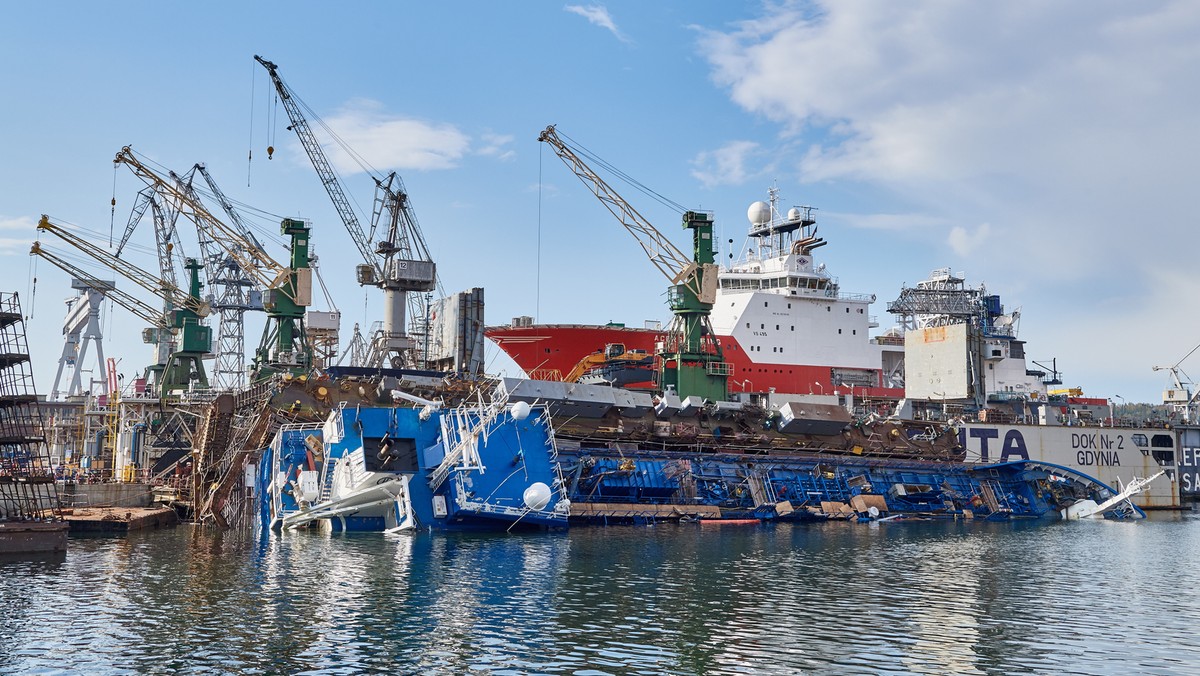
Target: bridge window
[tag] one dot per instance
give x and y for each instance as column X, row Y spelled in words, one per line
column 1140, row 440
column 1161, row 441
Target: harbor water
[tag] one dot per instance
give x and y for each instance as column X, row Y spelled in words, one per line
column 1091, row 597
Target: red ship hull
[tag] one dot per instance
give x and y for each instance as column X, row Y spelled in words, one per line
column 551, row 351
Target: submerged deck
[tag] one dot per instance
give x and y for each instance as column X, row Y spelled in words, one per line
column 118, row 519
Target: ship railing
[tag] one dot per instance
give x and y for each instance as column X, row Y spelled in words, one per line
column 462, row 430
column 868, row 297
column 719, row 368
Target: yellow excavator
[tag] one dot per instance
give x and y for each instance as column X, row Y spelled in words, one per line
column 616, row 365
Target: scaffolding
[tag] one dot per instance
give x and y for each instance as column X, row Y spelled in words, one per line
column 28, row 494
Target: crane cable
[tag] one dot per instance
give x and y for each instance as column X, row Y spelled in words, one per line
column 250, row 151
column 637, row 185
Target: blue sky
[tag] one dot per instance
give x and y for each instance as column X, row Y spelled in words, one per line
column 1045, row 149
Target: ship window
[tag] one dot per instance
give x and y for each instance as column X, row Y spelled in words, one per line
column 854, row 332
column 1140, row 440
column 1163, row 457
column 776, row 327
column 860, row 311
column 793, row 327
column 839, row 332
column 789, row 306
column 828, row 309
column 1161, row 441
column 747, row 324
column 764, row 303
column 762, row 326
column 847, row 310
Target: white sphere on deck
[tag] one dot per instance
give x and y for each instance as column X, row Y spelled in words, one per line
column 520, row 410
column 759, row 213
column 794, row 214
column 537, row 496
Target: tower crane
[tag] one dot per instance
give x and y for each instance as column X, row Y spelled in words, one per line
column 174, row 369
column 398, row 264
column 235, row 291
column 690, row 356
column 288, row 288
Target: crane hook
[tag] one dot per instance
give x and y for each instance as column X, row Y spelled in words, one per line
column 270, row 151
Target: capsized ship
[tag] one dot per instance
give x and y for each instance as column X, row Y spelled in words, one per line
column 542, row 454
column 404, row 468
column 788, row 332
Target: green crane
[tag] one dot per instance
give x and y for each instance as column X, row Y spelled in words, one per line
column 690, row 360
column 284, row 347
column 183, row 340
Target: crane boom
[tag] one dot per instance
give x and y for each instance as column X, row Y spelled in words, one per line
column 256, row 262
column 662, row 253
column 159, row 287
column 690, row 359
column 397, row 264
column 227, row 206
column 142, row 310
column 324, row 169
column 166, row 239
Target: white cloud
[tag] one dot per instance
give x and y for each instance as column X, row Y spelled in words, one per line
column 496, row 145
column 965, row 243
column 1065, row 129
column 727, row 165
column 387, row 142
column 598, row 15
column 22, row 225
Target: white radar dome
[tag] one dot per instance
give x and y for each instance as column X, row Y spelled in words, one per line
column 537, row 496
column 520, row 410
column 794, row 214
column 759, row 213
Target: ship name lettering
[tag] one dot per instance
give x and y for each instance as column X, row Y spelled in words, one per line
column 1012, row 448
column 1092, row 458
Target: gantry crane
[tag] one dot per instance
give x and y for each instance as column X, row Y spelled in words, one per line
column 175, row 369
column 690, row 359
column 400, row 263
column 288, row 288
column 81, row 329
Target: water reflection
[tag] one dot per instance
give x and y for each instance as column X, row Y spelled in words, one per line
column 830, row 598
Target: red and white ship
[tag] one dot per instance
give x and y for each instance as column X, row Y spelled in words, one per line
column 783, row 322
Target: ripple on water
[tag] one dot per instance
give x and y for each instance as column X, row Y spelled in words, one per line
column 830, row 598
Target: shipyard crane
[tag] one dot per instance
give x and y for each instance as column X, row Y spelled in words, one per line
column 81, row 329
column 398, row 264
column 169, row 292
column 284, row 346
column 166, row 239
column 174, row 369
column 690, row 358
column 1180, row 396
column 236, row 291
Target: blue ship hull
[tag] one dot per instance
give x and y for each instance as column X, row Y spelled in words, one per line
column 392, row 468
column 500, row 468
